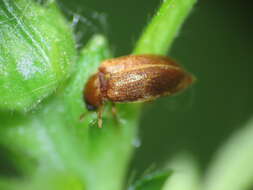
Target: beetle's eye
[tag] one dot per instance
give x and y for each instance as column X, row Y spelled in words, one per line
column 90, row 107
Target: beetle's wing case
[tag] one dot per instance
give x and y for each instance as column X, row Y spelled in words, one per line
column 129, row 62
column 140, row 78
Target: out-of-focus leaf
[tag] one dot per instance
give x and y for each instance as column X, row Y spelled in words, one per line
column 232, row 167
column 186, row 174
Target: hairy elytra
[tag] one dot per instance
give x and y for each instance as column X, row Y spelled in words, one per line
column 134, row 78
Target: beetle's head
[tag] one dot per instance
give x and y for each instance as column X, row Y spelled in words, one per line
column 91, row 94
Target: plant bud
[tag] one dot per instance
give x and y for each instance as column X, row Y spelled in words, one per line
column 37, row 51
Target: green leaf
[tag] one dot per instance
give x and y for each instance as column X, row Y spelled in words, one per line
column 37, row 53
column 154, row 181
column 164, row 27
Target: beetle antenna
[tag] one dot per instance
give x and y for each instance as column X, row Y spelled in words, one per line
column 82, row 116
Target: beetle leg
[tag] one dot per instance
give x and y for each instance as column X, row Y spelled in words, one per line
column 100, row 120
column 114, row 112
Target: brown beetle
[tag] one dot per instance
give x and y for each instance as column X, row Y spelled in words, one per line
column 134, row 78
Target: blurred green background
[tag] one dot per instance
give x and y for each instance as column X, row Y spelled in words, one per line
column 215, row 44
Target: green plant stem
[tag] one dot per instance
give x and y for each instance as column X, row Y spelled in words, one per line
column 164, row 27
